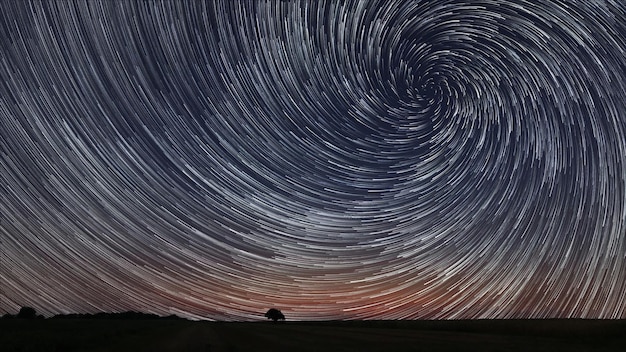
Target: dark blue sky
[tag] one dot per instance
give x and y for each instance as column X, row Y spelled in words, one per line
column 337, row 160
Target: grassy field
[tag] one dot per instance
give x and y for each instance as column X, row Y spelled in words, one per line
column 181, row 335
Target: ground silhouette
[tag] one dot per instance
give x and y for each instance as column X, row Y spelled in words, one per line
column 184, row 335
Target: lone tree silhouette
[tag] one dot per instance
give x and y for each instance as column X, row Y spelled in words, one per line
column 274, row 314
column 27, row 313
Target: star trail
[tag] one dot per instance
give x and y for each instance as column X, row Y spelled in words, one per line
column 337, row 160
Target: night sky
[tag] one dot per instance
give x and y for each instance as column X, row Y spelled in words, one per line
column 336, row 160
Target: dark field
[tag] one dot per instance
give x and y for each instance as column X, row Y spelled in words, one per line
column 182, row 335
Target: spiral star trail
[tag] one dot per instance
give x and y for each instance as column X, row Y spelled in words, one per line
column 337, row 160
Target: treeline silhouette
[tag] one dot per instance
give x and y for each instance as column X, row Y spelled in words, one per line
column 113, row 316
column 30, row 313
column 25, row 313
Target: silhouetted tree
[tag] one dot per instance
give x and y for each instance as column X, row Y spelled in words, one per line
column 274, row 314
column 27, row 313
